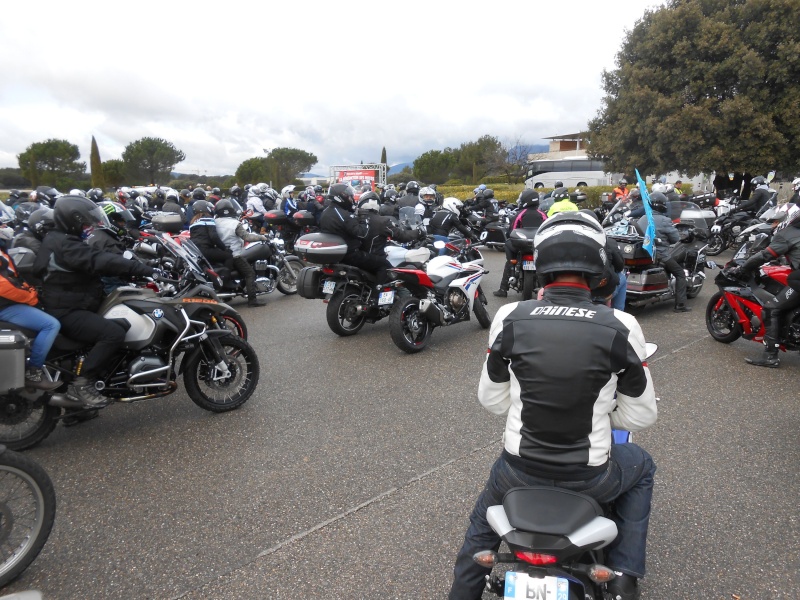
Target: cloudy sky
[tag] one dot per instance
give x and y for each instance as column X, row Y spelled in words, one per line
column 225, row 80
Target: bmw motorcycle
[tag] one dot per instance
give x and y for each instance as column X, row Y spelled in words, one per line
column 166, row 337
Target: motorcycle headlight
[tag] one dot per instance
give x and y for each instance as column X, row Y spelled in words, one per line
column 716, row 229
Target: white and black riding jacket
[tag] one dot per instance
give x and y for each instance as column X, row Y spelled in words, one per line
column 554, row 366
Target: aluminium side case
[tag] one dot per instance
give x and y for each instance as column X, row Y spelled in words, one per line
column 321, row 248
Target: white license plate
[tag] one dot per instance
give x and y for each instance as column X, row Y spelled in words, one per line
column 386, row 298
column 522, row 585
column 328, row 287
column 527, row 265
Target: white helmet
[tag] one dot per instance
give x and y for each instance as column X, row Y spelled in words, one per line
column 784, row 215
column 289, row 189
column 796, row 184
column 426, row 191
column 658, row 187
column 668, row 187
column 454, row 205
column 77, row 192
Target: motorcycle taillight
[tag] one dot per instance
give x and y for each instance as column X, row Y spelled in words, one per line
column 535, row 558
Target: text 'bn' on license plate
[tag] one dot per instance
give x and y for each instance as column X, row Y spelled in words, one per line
column 328, row 287
column 527, row 265
column 386, row 298
column 522, row 585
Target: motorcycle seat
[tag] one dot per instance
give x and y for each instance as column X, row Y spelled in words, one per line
column 60, row 343
column 762, row 295
column 549, row 510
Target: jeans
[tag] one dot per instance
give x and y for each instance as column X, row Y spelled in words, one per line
column 618, row 299
column 441, row 238
column 628, row 480
column 29, row 317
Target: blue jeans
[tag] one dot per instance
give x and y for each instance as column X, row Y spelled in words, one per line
column 441, row 238
column 618, row 299
column 29, row 317
column 628, row 481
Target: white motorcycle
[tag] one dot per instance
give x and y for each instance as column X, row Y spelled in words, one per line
column 446, row 292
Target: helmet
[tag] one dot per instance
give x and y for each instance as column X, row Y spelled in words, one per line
column 203, row 207
column 668, row 187
column 558, row 184
column 215, row 191
column 286, row 191
column 427, row 195
column 77, row 192
column 479, row 189
column 795, row 184
column 198, row 194
column 401, row 186
column 343, row 194
column 488, row 193
column 72, row 213
column 391, row 195
column 227, row 208
column 172, row 196
column 118, row 216
column 160, row 193
column 133, row 195
column 412, row 187
column 50, row 193
column 623, row 182
column 658, row 188
column 658, row 202
column 368, row 203
column 454, row 205
column 41, row 221
column 247, row 187
column 756, row 181
column 577, row 197
column 235, row 191
column 365, row 188
column 317, row 189
column 24, row 210
column 15, row 195
column 95, row 195
column 379, row 186
column 528, row 199
column 792, row 216
column 433, row 186
column 560, row 194
column 635, row 194
column 571, row 242
column 390, row 186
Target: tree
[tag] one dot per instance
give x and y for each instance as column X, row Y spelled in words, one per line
column 52, row 162
column 511, row 158
column 114, row 172
column 151, row 159
column 475, row 160
column 403, row 176
column 383, row 156
column 254, row 170
column 287, row 163
column 97, row 167
column 435, row 166
column 722, row 95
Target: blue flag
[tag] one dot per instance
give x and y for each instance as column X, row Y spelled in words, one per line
column 650, row 234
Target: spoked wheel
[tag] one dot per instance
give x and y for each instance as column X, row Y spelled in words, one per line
column 27, row 511
column 213, row 389
column 343, row 315
column 410, row 329
column 721, row 320
column 287, row 278
column 716, row 245
column 23, row 423
column 479, row 308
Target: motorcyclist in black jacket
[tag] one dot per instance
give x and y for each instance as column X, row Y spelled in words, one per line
column 203, row 232
column 73, row 289
column 447, row 219
column 381, row 228
column 113, row 238
column 529, row 217
column 761, row 194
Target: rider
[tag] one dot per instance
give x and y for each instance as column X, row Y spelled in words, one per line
column 427, row 203
column 73, row 289
column 562, row 202
column 761, row 193
column 381, row 228
column 786, row 242
column 447, row 219
column 203, row 232
column 339, row 219
column 411, row 196
column 561, row 410
column 233, row 235
column 666, row 236
column 621, row 191
column 529, row 217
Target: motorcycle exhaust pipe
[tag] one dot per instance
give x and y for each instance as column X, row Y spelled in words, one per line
column 431, row 311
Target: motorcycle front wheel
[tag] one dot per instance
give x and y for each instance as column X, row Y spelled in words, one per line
column 342, row 313
column 410, row 330
column 479, row 308
column 287, row 278
column 209, row 389
column 721, row 320
column 716, row 245
column 27, row 512
column 23, row 424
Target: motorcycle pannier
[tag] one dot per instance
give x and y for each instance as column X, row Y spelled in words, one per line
column 275, row 217
column 320, row 248
column 308, row 283
column 12, row 360
column 169, row 222
column 304, row 218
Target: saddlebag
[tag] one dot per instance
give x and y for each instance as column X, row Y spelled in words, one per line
column 275, row 217
column 304, row 218
column 320, row 248
column 12, row 360
column 169, row 222
column 308, row 283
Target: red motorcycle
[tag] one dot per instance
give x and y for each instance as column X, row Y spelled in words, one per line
column 735, row 310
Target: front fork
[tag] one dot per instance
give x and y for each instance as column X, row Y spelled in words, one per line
column 220, row 369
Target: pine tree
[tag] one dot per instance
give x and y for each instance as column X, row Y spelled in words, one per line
column 96, row 165
column 383, row 156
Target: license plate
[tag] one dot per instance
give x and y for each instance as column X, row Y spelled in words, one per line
column 527, row 265
column 386, row 298
column 328, row 287
column 522, row 585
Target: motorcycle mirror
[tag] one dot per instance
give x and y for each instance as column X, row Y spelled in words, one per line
column 650, row 349
column 770, row 176
column 730, row 176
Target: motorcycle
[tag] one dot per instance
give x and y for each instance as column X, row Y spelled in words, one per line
column 523, row 274
column 729, row 227
column 354, row 297
column 444, row 293
column 495, row 233
column 27, row 512
column 736, row 309
column 166, row 337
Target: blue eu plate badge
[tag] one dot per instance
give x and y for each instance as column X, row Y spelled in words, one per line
column 521, row 586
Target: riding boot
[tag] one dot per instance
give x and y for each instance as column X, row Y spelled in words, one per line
column 503, row 291
column 772, row 324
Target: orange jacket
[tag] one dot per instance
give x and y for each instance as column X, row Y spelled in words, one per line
column 12, row 288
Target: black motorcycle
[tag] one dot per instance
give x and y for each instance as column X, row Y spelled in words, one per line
column 523, row 273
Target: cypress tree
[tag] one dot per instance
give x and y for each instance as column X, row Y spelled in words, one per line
column 96, row 166
column 383, row 156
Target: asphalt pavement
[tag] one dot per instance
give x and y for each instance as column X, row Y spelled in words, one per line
column 352, row 470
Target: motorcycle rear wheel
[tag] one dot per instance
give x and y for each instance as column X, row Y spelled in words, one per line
column 528, row 284
column 339, row 313
column 479, row 308
column 287, row 278
column 24, row 424
column 224, row 394
column 27, row 512
column 721, row 320
column 716, row 245
column 409, row 329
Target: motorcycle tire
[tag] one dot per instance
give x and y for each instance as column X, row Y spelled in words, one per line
column 225, row 394
column 27, row 512
column 528, row 285
column 695, row 292
column 24, row 424
column 290, row 272
column 339, row 312
column 716, row 245
column 721, row 320
column 231, row 320
column 409, row 329
column 479, row 308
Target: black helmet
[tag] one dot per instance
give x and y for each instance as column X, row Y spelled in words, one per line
column 560, row 193
column 133, row 195
column 658, row 202
column 41, row 221
column 226, row 208
column 73, row 213
column 15, row 195
column 412, row 187
column 203, row 206
column 317, row 189
column 401, row 186
column 558, row 184
column 235, row 191
column 528, row 199
column 199, row 193
column 756, row 181
column 571, row 242
column 488, row 193
column 185, row 194
column 368, row 203
column 390, row 195
column 24, row 210
column 343, row 194
column 95, row 195
column 577, row 196
column 215, row 191
column 160, row 193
